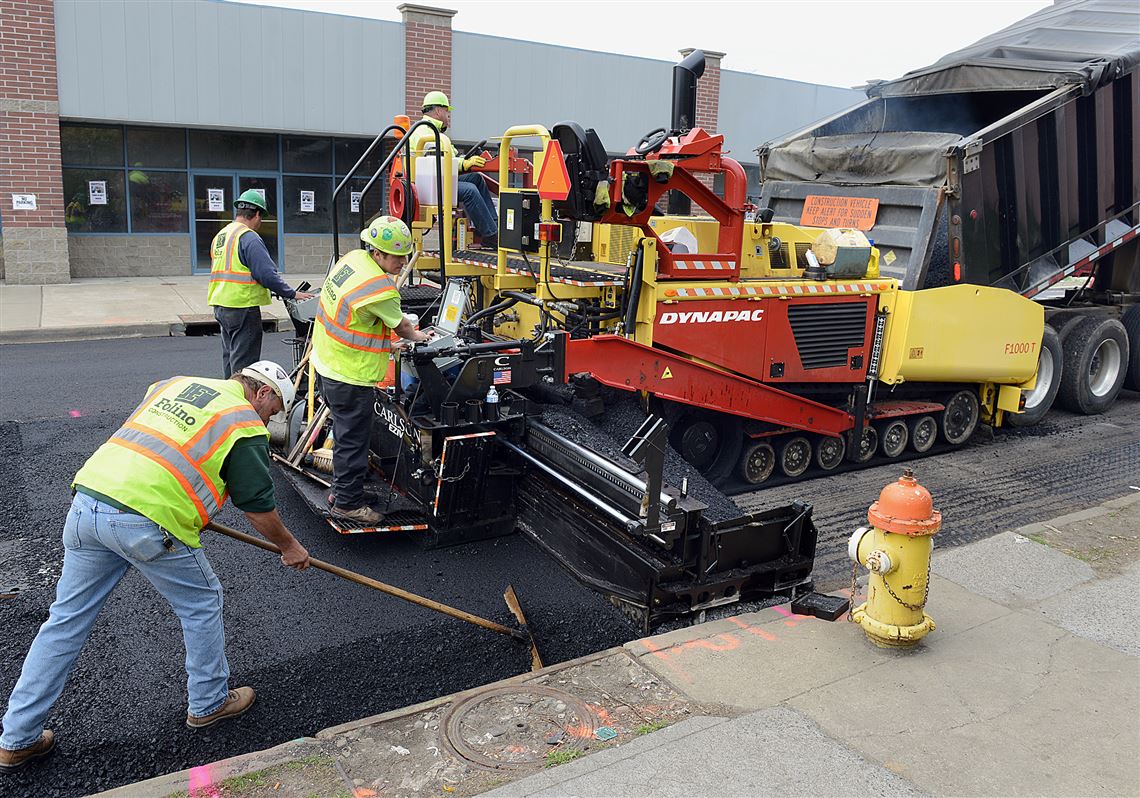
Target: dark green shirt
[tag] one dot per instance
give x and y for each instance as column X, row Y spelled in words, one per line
column 245, row 472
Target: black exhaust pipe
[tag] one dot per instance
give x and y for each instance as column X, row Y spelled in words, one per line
column 684, row 113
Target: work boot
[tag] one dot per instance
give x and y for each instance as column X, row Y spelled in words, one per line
column 14, row 760
column 488, row 244
column 364, row 515
column 237, row 703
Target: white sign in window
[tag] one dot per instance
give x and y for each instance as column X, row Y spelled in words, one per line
column 216, row 198
column 354, row 201
column 308, row 201
column 23, row 202
column 96, row 192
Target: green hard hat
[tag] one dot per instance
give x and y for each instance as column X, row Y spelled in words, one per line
column 436, row 98
column 251, row 197
column 388, row 234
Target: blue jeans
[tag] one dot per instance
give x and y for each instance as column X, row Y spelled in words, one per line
column 475, row 198
column 100, row 544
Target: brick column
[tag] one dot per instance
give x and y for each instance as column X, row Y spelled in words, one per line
column 35, row 242
column 427, row 54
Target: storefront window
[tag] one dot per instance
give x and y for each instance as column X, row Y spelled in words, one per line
column 307, row 204
column 306, row 154
column 158, row 202
column 211, row 149
column 348, row 152
column 156, row 147
column 91, row 145
column 370, row 205
column 95, row 200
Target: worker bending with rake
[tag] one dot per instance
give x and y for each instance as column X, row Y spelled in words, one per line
column 359, row 309
column 141, row 500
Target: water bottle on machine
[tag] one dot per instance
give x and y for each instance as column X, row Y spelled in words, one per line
column 491, row 405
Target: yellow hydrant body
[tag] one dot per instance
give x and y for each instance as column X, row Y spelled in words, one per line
column 896, row 550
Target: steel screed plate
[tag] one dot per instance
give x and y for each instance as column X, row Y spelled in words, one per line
column 517, row 726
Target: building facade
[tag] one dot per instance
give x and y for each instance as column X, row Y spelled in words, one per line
column 131, row 125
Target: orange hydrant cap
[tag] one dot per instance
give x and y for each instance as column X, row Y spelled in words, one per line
column 905, row 508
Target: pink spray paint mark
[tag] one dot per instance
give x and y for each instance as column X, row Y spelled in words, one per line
column 74, row 413
column 201, row 784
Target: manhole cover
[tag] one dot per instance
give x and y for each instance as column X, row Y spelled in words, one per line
column 517, row 726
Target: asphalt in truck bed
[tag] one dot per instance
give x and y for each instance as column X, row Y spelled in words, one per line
column 321, row 651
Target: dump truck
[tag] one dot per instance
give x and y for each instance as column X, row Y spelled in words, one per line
column 1013, row 163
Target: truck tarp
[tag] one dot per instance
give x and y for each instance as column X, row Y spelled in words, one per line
column 910, row 159
column 1089, row 42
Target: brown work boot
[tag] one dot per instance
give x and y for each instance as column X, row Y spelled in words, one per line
column 237, row 703
column 14, row 760
column 364, row 515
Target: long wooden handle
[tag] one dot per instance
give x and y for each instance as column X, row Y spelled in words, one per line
column 391, row 590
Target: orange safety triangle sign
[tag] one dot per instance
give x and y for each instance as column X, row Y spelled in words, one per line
column 553, row 181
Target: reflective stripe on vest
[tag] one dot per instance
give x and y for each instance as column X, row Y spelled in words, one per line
column 191, row 427
column 231, row 282
column 339, row 327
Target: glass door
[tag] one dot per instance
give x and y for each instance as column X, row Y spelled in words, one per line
column 213, row 209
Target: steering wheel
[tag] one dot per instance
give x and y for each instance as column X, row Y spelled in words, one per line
column 651, row 141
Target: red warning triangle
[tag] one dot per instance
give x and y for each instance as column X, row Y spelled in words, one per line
column 553, row 181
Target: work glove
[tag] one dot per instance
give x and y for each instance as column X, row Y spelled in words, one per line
column 474, row 162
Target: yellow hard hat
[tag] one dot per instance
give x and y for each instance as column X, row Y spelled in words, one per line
column 388, row 234
column 434, row 98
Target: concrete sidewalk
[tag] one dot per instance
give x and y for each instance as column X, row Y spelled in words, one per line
column 122, row 307
column 1030, row 685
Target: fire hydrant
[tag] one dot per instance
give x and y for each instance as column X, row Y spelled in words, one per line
column 896, row 550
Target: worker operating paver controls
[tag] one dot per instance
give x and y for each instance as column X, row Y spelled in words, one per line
column 359, row 309
column 242, row 277
column 141, row 501
column 473, row 193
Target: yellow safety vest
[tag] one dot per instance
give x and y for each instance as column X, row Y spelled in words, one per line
column 165, row 462
column 343, row 341
column 231, row 283
column 424, row 134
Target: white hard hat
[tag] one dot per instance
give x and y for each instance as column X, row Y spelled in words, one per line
column 269, row 373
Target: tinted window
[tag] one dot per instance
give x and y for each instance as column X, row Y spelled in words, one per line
column 318, row 220
column 84, row 216
column 348, row 152
column 305, row 154
column 158, row 202
column 156, row 147
column 216, row 150
column 89, row 145
column 351, row 223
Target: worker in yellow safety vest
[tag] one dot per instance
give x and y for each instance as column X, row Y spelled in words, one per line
column 473, row 193
column 359, row 309
column 141, row 500
column 242, row 277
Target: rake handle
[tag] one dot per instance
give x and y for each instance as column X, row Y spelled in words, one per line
column 365, row 581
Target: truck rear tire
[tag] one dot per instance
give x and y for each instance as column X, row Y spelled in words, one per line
column 1096, row 360
column 1131, row 322
column 1050, row 368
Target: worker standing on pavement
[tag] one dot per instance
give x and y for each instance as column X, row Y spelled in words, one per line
column 473, row 193
column 242, row 276
column 359, row 309
column 141, row 500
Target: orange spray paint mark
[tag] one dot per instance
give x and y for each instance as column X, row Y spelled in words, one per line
column 754, row 630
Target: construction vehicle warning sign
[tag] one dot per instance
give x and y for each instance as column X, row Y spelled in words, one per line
column 854, row 212
column 553, row 180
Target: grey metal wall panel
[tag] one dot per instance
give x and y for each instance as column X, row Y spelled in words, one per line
column 500, row 82
column 172, row 62
column 757, row 108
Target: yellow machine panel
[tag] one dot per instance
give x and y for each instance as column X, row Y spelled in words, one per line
column 961, row 333
column 613, row 242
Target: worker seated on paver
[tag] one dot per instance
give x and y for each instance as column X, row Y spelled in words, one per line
column 359, row 309
column 473, row 193
column 141, row 500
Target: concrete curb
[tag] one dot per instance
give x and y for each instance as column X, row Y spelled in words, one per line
column 102, row 332
column 1081, row 515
